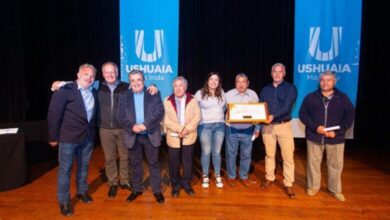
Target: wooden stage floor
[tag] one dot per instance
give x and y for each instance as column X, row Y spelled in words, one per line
column 366, row 182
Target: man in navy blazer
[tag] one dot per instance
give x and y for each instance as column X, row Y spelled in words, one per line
column 140, row 114
column 71, row 123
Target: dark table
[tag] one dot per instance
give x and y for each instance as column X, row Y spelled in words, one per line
column 13, row 163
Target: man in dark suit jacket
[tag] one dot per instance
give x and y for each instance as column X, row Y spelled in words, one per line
column 140, row 114
column 71, row 123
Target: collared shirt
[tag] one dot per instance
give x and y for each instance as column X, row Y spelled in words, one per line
column 280, row 100
column 112, row 86
column 181, row 107
column 250, row 96
column 88, row 99
column 139, row 107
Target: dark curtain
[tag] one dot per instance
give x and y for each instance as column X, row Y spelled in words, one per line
column 42, row 41
column 233, row 37
column 47, row 40
column 12, row 88
column 372, row 120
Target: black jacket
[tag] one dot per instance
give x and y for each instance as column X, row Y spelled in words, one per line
column 67, row 118
column 313, row 113
column 108, row 104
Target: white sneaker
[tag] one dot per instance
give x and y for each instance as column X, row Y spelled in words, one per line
column 339, row 196
column 311, row 192
column 206, row 181
column 218, row 182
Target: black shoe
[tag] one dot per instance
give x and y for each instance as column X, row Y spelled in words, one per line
column 189, row 191
column 127, row 186
column 65, row 209
column 159, row 197
column 175, row 193
column 133, row 196
column 85, row 198
column 112, row 191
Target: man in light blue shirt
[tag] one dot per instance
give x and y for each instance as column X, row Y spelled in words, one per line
column 88, row 99
column 71, row 125
column 240, row 134
column 140, row 114
column 139, row 108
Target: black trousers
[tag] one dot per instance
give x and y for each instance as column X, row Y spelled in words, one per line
column 176, row 155
column 141, row 144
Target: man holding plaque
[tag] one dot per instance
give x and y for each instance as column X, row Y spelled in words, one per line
column 327, row 114
column 280, row 97
column 240, row 134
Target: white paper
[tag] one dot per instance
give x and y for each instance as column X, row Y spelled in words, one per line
column 254, row 112
column 253, row 137
column 173, row 134
column 332, row 128
column 9, row 130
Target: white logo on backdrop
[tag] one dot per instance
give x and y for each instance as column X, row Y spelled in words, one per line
column 140, row 46
column 314, row 44
column 158, row 51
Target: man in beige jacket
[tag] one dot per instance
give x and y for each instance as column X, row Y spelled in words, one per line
column 182, row 116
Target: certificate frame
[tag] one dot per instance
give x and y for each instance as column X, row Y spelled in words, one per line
column 247, row 112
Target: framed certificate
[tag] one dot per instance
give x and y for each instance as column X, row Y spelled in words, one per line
column 247, row 113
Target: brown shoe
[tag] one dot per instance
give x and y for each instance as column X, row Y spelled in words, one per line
column 252, row 180
column 290, row 192
column 231, row 182
column 245, row 182
column 266, row 184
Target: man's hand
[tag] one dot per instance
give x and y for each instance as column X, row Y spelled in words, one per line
column 269, row 119
column 330, row 134
column 321, row 130
column 152, row 89
column 53, row 143
column 183, row 133
column 138, row 128
column 56, row 85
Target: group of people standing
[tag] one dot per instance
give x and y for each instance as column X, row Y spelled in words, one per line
column 129, row 118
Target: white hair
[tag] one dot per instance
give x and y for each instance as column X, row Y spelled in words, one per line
column 182, row 79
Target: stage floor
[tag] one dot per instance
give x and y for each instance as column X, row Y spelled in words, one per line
column 366, row 186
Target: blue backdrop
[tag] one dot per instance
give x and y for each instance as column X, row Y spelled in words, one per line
column 327, row 37
column 149, row 33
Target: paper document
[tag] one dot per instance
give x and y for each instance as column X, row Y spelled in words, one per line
column 332, row 128
column 173, row 134
column 253, row 137
column 9, row 130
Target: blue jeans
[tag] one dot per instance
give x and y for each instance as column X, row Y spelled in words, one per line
column 211, row 137
column 66, row 153
column 236, row 138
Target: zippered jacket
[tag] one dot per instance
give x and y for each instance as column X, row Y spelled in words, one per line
column 317, row 110
column 108, row 104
